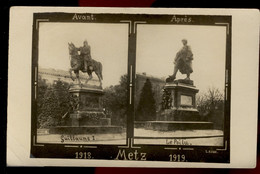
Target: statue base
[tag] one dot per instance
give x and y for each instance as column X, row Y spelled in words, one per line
column 182, row 113
column 182, row 105
column 89, row 116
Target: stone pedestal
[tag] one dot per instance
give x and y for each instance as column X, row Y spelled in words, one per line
column 182, row 105
column 90, row 106
column 88, row 115
column 181, row 112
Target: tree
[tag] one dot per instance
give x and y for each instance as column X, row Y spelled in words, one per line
column 146, row 109
column 55, row 104
column 209, row 100
column 42, row 88
column 115, row 102
column 211, row 106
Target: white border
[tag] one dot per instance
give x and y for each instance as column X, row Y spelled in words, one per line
column 244, row 88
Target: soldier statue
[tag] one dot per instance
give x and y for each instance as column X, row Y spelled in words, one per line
column 183, row 61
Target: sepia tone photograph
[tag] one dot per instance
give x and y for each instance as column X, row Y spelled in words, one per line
column 155, row 87
column 180, row 85
column 82, row 76
column 118, row 82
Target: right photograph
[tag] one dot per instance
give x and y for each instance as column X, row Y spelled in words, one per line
column 180, row 85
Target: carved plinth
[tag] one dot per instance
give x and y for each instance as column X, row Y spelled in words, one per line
column 88, row 114
column 89, row 109
column 182, row 102
column 181, row 112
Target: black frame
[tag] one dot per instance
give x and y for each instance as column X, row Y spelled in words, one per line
column 121, row 152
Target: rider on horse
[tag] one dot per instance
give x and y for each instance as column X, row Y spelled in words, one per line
column 84, row 62
column 85, row 54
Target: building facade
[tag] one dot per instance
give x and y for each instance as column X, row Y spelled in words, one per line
column 50, row 75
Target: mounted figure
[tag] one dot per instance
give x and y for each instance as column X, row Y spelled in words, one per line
column 84, row 62
column 86, row 55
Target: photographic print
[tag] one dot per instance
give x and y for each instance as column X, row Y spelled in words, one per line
column 119, row 86
column 139, row 87
column 82, row 76
column 180, row 92
column 108, row 86
column 116, row 87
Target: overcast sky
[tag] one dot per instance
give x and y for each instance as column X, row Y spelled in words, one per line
column 109, row 44
column 157, row 46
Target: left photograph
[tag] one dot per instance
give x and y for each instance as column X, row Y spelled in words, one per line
column 81, row 91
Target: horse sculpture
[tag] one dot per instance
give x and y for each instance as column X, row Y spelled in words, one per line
column 77, row 64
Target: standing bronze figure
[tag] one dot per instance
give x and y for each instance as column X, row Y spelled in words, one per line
column 84, row 63
column 183, row 61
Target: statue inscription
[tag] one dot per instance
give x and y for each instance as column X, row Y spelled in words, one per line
column 186, row 100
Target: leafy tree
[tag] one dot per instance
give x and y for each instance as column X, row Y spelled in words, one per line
column 42, row 88
column 54, row 105
column 115, row 102
column 146, row 109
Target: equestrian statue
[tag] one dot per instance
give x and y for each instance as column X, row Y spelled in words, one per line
column 83, row 62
